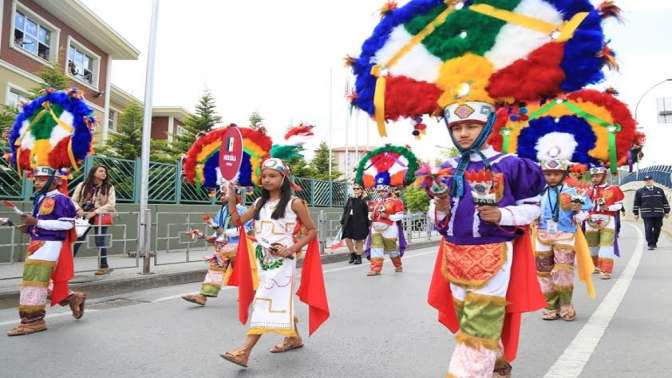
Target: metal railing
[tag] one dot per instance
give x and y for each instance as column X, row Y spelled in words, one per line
column 661, row 174
column 166, row 184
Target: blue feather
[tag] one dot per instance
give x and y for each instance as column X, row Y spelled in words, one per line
column 578, row 127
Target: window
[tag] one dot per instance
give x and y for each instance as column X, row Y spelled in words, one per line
column 31, row 36
column 112, row 120
column 665, row 110
column 82, row 65
column 15, row 98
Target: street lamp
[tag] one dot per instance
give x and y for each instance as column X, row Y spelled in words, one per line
column 647, row 92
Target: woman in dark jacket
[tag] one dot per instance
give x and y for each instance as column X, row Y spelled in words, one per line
column 355, row 224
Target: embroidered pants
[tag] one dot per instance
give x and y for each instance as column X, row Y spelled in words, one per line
column 601, row 235
column 37, row 270
column 555, row 267
column 481, row 314
column 219, row 270
column 384, row 240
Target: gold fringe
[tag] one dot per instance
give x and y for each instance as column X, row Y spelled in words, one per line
column 543, row 274
column 473, row 284
column 25, row 283
column 287, row 332
column 485, row 299
column 32, row 308
column 36, row 262
column 476, row 342
column 543, row 253
column 458, row 302
column 568, row 267
column 564, row 289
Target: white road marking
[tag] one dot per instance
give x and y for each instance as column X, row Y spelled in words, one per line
column 572, row 361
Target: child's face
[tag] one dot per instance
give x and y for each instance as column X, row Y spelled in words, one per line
column 466, row 133
column 553, row 178
column 40, row 182
column 597, row 178
column 271, row 180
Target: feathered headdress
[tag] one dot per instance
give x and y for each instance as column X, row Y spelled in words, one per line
column 387, row 165
column 54, row 130
column 429, row 54
column 294, row 138
column 201, row 165
column 586, row 126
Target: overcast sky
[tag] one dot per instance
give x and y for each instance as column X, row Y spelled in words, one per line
column 275, row 58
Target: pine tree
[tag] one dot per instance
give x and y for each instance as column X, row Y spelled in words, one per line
column 126, row 143
column 320, row 164
column 203, row 120
column 256, row 120
column 300, row 167
column 53, row 78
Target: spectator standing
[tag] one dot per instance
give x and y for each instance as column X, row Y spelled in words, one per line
column 95, row 201
column 652, row 205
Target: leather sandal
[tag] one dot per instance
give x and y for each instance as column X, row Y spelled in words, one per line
column 195, row 298
column 77, row 302
column 568, row 313
column 27, row 329
column 238, row 357
column 287, row 344
column 550, row 315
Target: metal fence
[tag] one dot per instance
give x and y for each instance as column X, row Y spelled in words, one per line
column 165, row 184
column 661, row 174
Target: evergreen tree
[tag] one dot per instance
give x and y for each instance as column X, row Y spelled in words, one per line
column 300, row 167
column 126, row 143
column 53, row 78
column 7, row 116
column 201, row 121
column 320, row 164
column 256, row 120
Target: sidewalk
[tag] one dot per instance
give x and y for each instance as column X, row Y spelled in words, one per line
column 171, row 269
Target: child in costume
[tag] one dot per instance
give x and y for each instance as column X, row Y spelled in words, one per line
column 601, row 225
column 459, row 58
column 225, row 240
column 386, row 169
column 563, row 211
column 278, row 216
column 52, row 134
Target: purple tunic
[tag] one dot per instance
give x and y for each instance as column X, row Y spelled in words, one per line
column 523, row 180
column 52, row 207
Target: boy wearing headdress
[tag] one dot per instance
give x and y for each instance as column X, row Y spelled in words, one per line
column 385, row 212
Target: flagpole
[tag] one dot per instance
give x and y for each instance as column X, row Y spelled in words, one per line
column 346, row 174
column 145, row 215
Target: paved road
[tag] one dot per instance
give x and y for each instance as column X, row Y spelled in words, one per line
column 380, row 327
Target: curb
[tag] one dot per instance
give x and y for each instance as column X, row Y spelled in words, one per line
column 123, row 285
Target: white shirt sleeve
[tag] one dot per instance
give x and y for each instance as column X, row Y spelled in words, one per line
column 433, row 214
column 519, row 215
column 615, row 207
column 55, row 224
column 396, row 217
column 580, row 216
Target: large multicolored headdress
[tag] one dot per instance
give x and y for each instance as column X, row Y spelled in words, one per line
column 430, row 54
column 201, row 165
column 53, row 131
column 587, row 126
column 388, row 165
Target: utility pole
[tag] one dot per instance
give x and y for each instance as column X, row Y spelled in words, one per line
column 145, row 216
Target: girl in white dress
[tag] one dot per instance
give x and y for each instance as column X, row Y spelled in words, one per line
column 276, row 214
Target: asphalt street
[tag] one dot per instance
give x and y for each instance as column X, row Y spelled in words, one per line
column 379, row 327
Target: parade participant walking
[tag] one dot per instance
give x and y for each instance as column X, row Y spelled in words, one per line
column 601, row 223
column 355, row 224
column 52, row 134
column 225, row 241
column 95, row 201
column 557, row 235
column 652, row 205
column 386, row 169
column 278, row 216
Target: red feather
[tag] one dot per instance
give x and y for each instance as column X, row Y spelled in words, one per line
column 405, row 97
column 300, row 130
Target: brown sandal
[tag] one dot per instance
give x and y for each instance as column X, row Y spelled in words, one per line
column 568, row 313
column 77, row 302
column 287, row 344
column 27, row 329
column 238, row 357
column 550, row 315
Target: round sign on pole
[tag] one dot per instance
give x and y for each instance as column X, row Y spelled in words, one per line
column 231, row 153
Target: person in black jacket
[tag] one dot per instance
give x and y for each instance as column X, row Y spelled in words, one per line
column 652, row 205
column 355, row 224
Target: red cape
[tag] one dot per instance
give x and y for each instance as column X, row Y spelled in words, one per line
column 64, row 270
column 311, row 290
column 523, row 295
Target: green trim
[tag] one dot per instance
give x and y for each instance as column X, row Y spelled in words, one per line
column 408, row 154
column 482, row 319
column 37, row 272
column 210, row 290
column 259, row 252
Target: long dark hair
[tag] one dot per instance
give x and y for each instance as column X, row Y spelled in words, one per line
column 285, row 197
column 89, row 183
